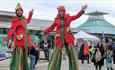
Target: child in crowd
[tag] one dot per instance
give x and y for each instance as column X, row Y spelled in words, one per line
column 109, row 60
column 32, row 54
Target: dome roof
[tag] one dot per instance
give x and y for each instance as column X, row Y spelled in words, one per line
column 97, row 24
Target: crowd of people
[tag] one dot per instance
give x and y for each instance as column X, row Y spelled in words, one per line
column 22, row 41
column 100, row 54
column 24, row 46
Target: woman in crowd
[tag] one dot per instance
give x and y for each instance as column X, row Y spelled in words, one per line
column 98, row 58
column 99, row 48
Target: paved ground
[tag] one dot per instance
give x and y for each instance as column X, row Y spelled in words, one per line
column 65, row 65
column 42, row 65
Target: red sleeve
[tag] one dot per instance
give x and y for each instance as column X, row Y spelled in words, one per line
column 74, row 17
column 29, row 17
column 12, row 30
column 49, row 29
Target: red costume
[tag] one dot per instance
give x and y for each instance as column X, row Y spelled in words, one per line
column 69, row 38
column 63, row 38
column 21, row 39
column 17, row 28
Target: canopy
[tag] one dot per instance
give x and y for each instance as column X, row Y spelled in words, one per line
column 83, row 35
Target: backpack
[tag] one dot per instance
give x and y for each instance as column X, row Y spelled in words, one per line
column 98, row 56
column 109, row 59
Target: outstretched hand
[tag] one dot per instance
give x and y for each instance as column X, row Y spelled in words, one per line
column 4, row 42
column 32, row 10
column 84, row 7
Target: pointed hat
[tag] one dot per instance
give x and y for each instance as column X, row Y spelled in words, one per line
column 18, row 6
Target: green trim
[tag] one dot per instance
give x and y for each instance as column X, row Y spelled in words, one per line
column 58, row 59
column 25, row 61
column 73, row 60
column 25, row 27
column 75, row 57
column 69, row 56
column 62, row 31
column 27, row 45
column 14, row 60
column 19, row 58
column 51, row 59
column 55, row 60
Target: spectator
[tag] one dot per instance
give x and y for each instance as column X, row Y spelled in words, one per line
column 81, row 52
column 101, row 45
column 104, row 43
column 109, row 45
column 36, row 46
column 98, row 58
column 32, row 57
column 109, row 60
column 85, row 53
column 113, row 45
column 46, row 49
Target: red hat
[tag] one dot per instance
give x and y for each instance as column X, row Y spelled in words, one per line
column 61, row 8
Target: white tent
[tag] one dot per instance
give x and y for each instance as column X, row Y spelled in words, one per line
column 83, row 35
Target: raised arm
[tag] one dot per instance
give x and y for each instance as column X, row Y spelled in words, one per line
column 49, row 29
column 30, row 16
column 81, row 12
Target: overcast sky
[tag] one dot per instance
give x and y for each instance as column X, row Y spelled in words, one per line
column 46, row 9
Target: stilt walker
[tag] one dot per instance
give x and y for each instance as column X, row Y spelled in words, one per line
column 21, row 39
column 63, row 38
